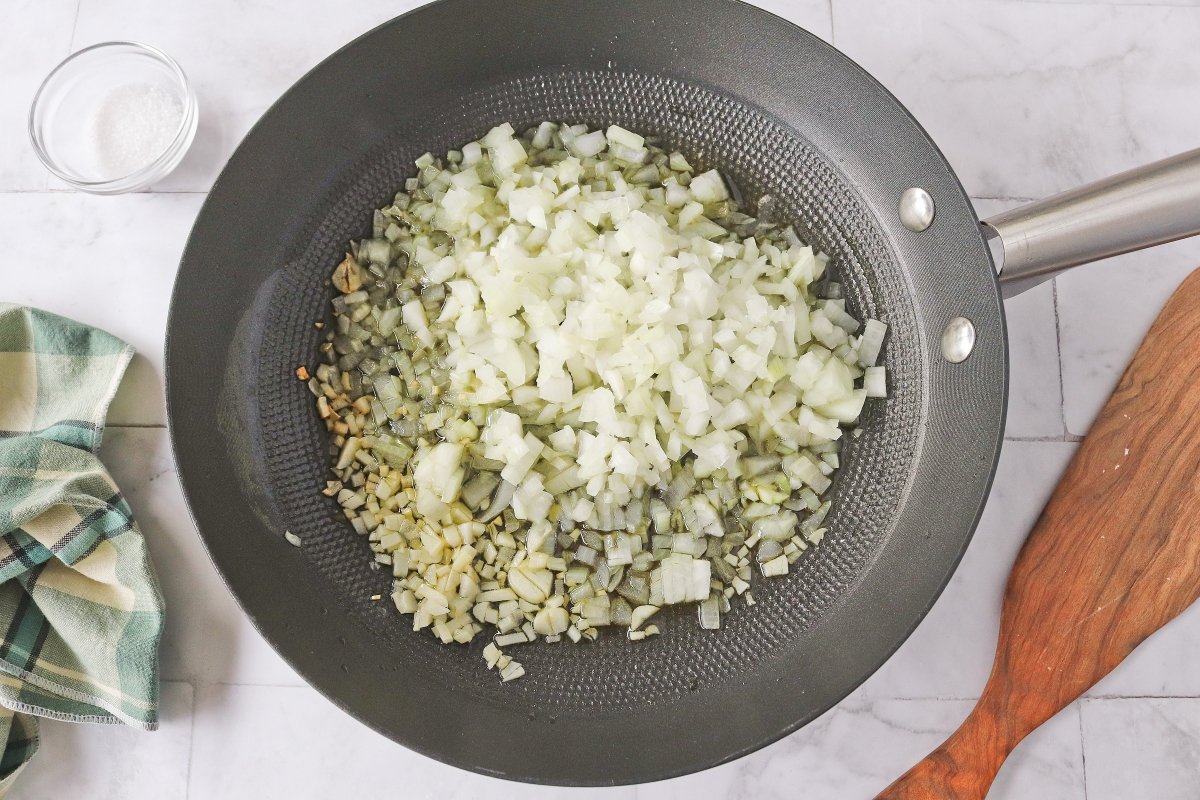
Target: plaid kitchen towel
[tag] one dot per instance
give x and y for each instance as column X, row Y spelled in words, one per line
column 80, row 610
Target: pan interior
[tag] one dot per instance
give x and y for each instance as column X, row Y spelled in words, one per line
column 763, row 157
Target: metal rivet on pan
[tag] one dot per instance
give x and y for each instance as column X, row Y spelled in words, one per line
column 916, row 209
column 958, row 340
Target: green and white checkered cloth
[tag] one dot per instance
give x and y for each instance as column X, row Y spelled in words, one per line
column 80, row 610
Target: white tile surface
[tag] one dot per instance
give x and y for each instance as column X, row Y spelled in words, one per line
column 1104, row 310
column 114, row 762
column 1027, row 99
column 34, row 36
column 1142, row 747
column 106, row 261
column 860, row 747
column 1125, row 2
column 207, row 639
column 254, row 742
column 1035, row 387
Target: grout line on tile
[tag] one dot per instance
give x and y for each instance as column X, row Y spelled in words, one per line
column 1116, row 3
column 929, row 698
column 137, row 425
column 1131, row 697
column 1069, row 437
column 975, row 698
column 832, row 34
column 187, row 777
column 74, row 26
column 170, row 191
column 1062, row 386
column 1082, row 749
column 77, row 192
column 260, row 685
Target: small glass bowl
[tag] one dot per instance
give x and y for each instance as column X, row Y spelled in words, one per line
column 72, row 95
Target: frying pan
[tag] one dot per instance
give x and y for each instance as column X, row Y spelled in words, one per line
column 781, row 113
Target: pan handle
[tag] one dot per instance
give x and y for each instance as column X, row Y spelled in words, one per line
column 1143, row 207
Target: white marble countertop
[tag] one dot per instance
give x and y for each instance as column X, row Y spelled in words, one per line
column 1025, row 98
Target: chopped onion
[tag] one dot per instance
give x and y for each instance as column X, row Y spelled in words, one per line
column 871, row 342
column 709, row 187
column 641, row 385
column 875, row 382
column 710, row 613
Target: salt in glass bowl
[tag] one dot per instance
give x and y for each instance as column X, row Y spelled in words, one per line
column 71, row 97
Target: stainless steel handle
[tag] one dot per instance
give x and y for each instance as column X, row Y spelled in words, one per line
column 1150, row 205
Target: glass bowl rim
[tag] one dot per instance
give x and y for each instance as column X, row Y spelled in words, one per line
column 143, row 175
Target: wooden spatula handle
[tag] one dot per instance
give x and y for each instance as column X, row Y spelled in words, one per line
column 1114, row 556
column 962, row 767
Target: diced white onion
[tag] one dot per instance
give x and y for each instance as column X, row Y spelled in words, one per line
column 601, row 389
column 875, row 381
column 871, row 342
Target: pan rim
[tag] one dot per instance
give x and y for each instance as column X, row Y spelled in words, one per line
column 176, row 405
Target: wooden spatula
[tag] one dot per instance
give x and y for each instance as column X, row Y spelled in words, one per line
column 1114, row 556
